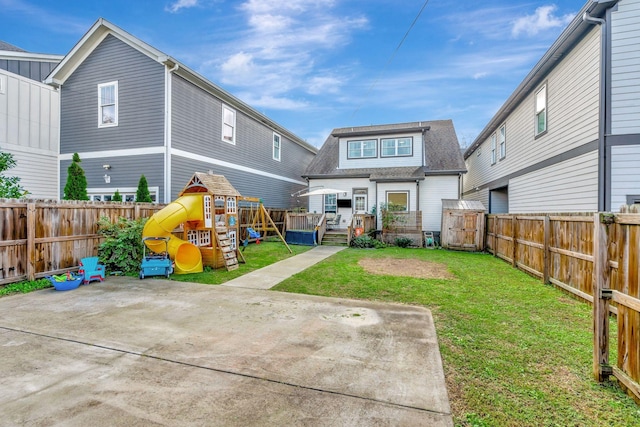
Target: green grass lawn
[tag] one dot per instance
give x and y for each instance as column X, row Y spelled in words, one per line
column 257, row 256
column 515, row 351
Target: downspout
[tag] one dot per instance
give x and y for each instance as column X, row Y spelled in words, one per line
column 603, row 192
column 167, row 134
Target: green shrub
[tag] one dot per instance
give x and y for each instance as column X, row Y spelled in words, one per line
column 25, row 287
column 122, row 249
column 117, row 197
column 403, row 242
column 365, row 241
column 142, row 194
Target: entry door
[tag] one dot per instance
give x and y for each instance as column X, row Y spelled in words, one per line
column 360, row 203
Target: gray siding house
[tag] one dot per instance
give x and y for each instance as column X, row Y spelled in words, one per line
column 568, row 138
column 414, row 165
column 128, row 109
column 30, row 119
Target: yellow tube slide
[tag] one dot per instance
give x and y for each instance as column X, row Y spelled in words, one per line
column 185, row 255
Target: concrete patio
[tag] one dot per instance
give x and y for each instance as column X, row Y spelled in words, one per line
column 155, row 352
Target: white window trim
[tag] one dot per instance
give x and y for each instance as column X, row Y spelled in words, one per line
column 494, row 156
column 399, row 192
column 543, row 110
column 235, row 130
column 502, row 141
column 395, row 147
column 279, row 144
column 110, row 191
column 100, row 123
column 362, row 141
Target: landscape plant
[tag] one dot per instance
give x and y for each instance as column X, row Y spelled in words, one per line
column 122, row 248
column 117, row 197
column 76, row 186
column 142, row 194
column 24, row 287
column 9, row 185
column 364, row 242
column 403, row 242
column 389, row 217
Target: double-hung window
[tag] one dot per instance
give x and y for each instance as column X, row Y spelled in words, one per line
column 502, row 141
column 276, row 146
column 493, row 149
column 228, row 125
column 396, row 147
column 541, row 110
column 108, row 104
column 362, row 149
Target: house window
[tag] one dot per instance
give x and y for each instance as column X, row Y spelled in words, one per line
column 330, row 203
column 395, row 147
column 362, row 149
column 108, row 104
column 541, row 110
column 502, row 141
column 228, row 125
column 276, row 146
column 398, row 201
column 128, row 194
column 493, row 149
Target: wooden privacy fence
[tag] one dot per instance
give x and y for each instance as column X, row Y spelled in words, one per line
column 40, row 238
column 593, row 256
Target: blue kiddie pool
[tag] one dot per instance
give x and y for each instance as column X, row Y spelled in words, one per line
column 301, row 237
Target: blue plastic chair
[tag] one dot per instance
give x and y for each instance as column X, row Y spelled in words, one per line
column 91, row 269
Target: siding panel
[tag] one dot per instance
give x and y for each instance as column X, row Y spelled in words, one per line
column 274, row 193
column 140, row 101
column 572, row 105
column 625, row 70
column 432, row 190
column 570, row 186
column 29, row 131
column 625, row 174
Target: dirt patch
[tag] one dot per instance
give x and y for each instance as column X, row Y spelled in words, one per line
column 406, row 267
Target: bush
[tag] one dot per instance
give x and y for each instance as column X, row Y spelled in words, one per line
column 403, row 242
column 122, row 250
column 364, row 241
column 142, row 194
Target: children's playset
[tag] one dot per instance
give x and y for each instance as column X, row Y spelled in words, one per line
column 202, row 228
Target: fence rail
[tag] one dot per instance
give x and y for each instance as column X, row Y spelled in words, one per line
column 593, row 256
column 39, row 238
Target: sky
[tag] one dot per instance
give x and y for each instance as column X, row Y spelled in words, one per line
column 316, row 65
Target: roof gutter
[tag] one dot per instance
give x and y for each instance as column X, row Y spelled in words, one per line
column 563, row 45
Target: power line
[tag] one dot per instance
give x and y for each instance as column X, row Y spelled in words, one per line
column 393, row 55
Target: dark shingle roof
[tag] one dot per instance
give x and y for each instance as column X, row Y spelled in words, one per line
column 441, row 147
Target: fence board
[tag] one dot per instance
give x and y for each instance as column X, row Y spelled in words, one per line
column 567, row 251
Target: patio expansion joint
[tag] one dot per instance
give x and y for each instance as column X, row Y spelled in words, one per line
column 224, row 371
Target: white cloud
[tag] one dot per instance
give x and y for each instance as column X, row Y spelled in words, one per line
column 271, row 102
column 322, row 85
column 281, row 49
column 543, row 19
column 181, row 4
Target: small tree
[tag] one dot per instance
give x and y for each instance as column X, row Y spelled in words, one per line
column 9, row 185
column 76, row 187
column 117, row 197
column 142, row 195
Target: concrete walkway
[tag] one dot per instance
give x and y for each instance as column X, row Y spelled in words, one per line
column 269, row 276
